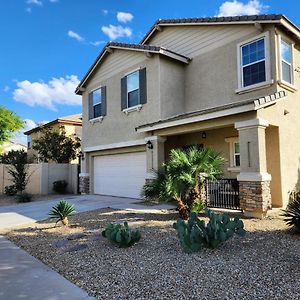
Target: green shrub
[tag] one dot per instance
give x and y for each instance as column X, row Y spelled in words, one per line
column 122, row 235
column 195, row 234
column 23, row 197
column 292, row 214
column 60, row 186
column 10, row 190
column 61, row 211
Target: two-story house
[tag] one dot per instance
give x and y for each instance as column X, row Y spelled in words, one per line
column 229, row 83
column 72, row 125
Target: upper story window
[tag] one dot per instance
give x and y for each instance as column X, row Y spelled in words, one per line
column 97, row 103
column 253, row 62
column 28, row 141
column 286, row 61
column 133, row 90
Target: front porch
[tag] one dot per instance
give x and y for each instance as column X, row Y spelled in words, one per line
column 251, row 180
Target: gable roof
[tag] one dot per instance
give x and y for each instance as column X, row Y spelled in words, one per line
column 71, row 120
column 210, row 113
column 131, row 47
column 271, row 18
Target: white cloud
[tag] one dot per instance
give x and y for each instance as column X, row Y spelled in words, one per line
column 6, row 88
column 114, row 32
column 236, row 8
column 75, row 35
column 48, row 95
column 35, row 2
column 97, row 43
column 105, row 11
column 124, row 17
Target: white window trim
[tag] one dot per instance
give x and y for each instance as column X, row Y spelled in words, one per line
column 231, row 141
column 268, row 81
column 289, row 86
column 132, row 108
column 128, row 108
column 97, row 119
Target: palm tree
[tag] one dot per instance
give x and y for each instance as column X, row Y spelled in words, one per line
column 182, row 177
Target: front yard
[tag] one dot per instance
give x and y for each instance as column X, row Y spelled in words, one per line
column 265, row 264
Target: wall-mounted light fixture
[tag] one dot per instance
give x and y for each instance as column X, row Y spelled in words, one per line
column 204, row 135
column 149, row 145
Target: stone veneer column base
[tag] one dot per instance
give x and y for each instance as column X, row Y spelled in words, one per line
column 84, row 183
column 255, row 198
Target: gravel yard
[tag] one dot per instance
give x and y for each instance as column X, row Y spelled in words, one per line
column 263, row 265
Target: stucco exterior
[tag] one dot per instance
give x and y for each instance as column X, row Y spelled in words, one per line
column 204, row 95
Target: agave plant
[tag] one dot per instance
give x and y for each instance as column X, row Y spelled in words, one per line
column 61, row 211
column 292, row 214
column 180, row 180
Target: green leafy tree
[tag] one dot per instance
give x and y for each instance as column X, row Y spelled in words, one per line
column 9, row 123
column 182, row 177
column 17, row 168
column 56, row 146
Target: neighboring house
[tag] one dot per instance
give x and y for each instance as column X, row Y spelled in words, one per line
column 230, row 83
column 72, row 125
column 11, row 146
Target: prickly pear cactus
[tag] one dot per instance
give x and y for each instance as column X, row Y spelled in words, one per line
column 195, row 234
column 122, row 235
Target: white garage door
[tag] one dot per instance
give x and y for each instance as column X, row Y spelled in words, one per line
column 120, row 175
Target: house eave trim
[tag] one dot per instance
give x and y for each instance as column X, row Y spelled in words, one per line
column 115, row 145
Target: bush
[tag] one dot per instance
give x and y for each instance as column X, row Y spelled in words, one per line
column 61, row 211
column 10, row 190
column 60, row 186
column 23, row 197
column 292, row 214
column 121, row 235
column 195, row 234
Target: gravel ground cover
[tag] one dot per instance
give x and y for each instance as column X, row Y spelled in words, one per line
column 263, row 265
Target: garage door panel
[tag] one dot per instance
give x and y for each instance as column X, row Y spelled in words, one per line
column 120, row 175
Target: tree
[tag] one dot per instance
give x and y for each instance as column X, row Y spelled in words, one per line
column 55, row 145
column 9, row 123
column 18, row 168
column 182, row 177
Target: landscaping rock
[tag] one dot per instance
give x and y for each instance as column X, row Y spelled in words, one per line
column 78, row 247
column 60, row 243
column 97, row 238
column 76, row 236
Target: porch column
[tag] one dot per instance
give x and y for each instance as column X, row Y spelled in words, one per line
column 84, row 176
column 254, row 181
column 155, row 147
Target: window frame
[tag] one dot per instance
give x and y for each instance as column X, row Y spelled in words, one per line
column 268, row 81
column 91, row 92
column 291, row 44
column 138, row 89
column 232, row 155
column 235, row 154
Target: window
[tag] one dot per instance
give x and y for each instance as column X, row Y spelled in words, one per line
column 97, row 100
column 133, row 90
column 253, row 62
column 28, row 141
column 286, row 61
column 236, row 154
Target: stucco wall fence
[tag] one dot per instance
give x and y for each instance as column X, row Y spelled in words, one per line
column 42, row 177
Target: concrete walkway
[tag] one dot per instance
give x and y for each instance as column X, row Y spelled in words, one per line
column 20, row 214
column 24, row 277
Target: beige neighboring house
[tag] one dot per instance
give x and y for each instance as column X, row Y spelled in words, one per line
column 12, row 146
column 72, row 125
column 229, row 83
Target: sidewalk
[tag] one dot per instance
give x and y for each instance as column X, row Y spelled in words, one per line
column 24, row 277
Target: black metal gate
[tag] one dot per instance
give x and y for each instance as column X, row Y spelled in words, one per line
column 222, row 193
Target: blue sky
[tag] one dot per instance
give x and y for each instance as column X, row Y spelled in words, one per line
column 48, row 45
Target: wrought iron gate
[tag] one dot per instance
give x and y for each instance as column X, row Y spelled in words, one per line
column 222, row 193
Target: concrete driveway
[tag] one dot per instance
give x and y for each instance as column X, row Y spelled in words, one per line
column 20, row 214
